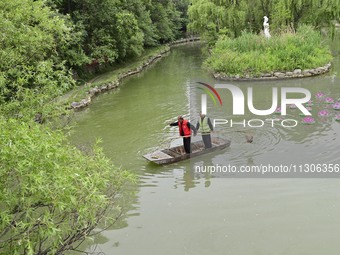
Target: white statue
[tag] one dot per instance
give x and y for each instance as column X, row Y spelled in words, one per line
column 266, row 27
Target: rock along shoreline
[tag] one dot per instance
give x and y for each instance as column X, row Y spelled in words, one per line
column 114, row 84
column 297, row 73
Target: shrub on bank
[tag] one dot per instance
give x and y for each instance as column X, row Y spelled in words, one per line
column 252, row 54
column 51, row 194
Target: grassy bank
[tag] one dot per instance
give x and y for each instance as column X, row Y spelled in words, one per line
column 113, row 75
column 253, row 55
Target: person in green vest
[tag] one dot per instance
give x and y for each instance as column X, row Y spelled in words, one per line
column 206, row 127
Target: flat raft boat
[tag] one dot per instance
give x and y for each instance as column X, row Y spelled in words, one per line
column 175, row 154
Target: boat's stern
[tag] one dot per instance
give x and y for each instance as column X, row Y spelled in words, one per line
column 158, row 157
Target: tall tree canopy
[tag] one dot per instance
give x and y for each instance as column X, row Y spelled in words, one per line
column 114, row 30
column 213, row 17
column 44, row 41
column 33, row 43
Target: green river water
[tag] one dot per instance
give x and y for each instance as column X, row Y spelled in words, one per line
column 177, row 211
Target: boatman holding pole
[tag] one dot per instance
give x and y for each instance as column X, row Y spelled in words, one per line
column 185, row 128
column 206, row 127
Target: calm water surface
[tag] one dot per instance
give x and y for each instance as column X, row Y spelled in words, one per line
column 177, row 211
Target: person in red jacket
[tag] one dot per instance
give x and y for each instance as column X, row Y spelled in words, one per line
column 185, row 128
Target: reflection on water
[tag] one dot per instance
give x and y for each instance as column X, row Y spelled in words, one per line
column 177, row 211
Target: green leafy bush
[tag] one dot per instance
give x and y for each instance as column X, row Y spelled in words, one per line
column 51, row 195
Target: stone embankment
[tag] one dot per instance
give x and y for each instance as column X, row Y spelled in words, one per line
column 297, row 73
column 114, row 84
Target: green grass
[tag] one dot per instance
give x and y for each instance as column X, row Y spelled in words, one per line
column 252, row 54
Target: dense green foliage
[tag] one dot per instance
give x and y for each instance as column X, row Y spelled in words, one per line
column 251, row 54
column 31, row 68
column 219, row 21
column 44, row 42
column 51, row 195
column 112, row 31
column 211, row 18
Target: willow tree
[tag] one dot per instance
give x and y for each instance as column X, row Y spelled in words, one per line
column 212, row 17
column 318, row 13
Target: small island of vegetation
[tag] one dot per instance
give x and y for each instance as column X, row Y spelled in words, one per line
column 252, row 55
column 238, row 49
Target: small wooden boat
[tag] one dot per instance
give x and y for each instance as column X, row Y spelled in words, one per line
column 175, row 154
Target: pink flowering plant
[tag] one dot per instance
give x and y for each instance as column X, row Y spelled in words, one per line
column 329, row 100
column 308, row 120
column 319, row 95
column 323, row 113
column 336, row 106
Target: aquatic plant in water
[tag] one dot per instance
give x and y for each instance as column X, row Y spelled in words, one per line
column 323, row 113
column 308, row 120
column 336, row 106
column 319, row 95
column 329, row 100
